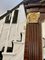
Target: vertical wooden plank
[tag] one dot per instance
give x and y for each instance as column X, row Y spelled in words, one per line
column 26, row 57
column 33, row 44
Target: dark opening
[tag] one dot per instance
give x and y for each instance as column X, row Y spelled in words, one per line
column 1, row 56
column 10, row 49
column 15, row 17
column 8, row 19
column 20, row 38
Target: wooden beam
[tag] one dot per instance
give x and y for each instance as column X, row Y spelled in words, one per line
column 9, row 11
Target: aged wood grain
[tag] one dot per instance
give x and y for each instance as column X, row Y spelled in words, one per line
column 33, row 43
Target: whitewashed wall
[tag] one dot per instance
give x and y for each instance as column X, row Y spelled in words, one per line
column 18, row 50
column 43, row 29
column 16, row 28
column 43, row 36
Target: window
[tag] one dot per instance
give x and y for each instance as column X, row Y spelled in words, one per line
column 15, row 16
column 10, row 49
column 8, row 19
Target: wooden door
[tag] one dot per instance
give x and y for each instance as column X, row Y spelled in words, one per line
column 33, row 42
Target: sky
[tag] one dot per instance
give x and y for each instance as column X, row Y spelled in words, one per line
column 7, row 5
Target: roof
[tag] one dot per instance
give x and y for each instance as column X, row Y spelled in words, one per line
column 30, row 5
column 34, row 1
column 9, row 11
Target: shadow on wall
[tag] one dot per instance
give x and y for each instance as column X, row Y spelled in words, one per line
column 1, row 56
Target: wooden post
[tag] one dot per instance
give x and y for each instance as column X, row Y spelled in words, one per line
column 33, row 44
column 33, row 39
